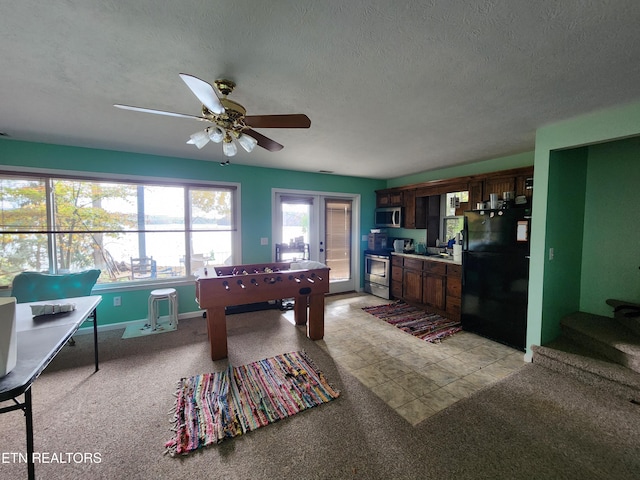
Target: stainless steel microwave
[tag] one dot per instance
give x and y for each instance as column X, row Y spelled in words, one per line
column 389, row 217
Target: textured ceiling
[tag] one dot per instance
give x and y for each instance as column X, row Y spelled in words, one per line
column 391, row 87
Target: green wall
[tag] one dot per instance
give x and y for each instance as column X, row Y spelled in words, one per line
column 566, row 194
column 611, row 244
column 548, row 278
column 256, row 199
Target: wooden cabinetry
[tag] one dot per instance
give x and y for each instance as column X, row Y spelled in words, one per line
column 397, row 272
column 415, row 210
column 434, row 284
column 499, row 185
column 421, row 202
column 412, row 280
column 454, row 291
column 508, row 181
column 429, row 284
column 389, row 198
column 433, row 219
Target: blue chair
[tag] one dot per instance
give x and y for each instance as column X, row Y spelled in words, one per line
column 36, row 286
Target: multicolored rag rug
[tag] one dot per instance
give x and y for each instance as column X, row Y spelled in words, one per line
column 427, row 326
column 214, row 406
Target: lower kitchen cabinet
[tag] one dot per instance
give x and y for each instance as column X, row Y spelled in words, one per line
column 412, row 280
column 396, row 276
column 432, row 285
column 454, row 291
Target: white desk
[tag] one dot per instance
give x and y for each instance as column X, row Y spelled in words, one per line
column 39, row 341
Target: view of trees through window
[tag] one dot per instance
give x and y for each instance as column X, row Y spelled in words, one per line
column 130, row 231
column 453, row 221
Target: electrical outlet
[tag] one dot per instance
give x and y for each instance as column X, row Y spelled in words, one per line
column 264, row 241
column 117, row 301
column 551, row 253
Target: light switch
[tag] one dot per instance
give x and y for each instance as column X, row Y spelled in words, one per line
column 551, row 254
column 264, row 241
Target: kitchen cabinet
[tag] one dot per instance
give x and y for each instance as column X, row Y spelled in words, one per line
column 515, row 180
column 499, row 185
column 475, row 194
column 524, row 185
column 416, row 199
column 396, row 276
column 415, row 209
column 389, row 198
column 433, row 285
column 454, row 291
column 412, row 280
column 433, row 219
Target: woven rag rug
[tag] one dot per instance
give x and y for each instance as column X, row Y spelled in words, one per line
column 427, row 326
column 214, row 406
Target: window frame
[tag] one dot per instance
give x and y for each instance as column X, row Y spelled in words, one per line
column 49, row 174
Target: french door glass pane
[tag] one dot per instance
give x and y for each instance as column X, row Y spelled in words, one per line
column 338, row 238
column 295, row 221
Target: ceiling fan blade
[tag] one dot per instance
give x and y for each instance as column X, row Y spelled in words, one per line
column 263, row 141
column 205, row 93
column 296, row 120
column 159, row 112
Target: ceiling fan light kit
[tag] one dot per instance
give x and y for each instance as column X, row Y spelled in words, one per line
column 228, row 147
column 229, row 118
column 247, row 142
column 199, row 139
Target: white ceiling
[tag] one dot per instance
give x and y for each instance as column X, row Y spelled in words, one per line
column 391, row 87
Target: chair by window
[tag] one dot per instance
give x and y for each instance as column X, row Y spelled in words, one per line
column 143, row 267
column 36, row 286
column 117, row 270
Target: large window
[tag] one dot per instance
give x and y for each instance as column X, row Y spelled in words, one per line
column 131, row 231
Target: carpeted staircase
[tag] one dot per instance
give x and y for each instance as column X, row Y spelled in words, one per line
column 600, row 351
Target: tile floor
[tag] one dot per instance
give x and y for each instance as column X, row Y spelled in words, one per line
column 414, row 377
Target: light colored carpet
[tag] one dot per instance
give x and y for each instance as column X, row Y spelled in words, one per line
column 533, row 424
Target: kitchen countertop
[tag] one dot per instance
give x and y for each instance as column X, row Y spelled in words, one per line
column 433, row 258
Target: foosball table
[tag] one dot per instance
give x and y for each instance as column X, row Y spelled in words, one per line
column 221, row 287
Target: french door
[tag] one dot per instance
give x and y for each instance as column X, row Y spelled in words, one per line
column 322, row 228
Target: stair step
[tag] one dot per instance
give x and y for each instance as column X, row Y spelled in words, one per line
column 605, row 336
column 570, row 358
column 626, row 314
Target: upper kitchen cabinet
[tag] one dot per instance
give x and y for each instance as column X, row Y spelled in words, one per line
column 475, row 193
column 415, row 210
column 524, row 185
column 389, row 198
column 499, row 185
column 516, row 180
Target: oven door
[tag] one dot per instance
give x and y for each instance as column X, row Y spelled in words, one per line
column 376, row 269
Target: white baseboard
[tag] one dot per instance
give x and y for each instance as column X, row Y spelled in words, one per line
column 123, row 325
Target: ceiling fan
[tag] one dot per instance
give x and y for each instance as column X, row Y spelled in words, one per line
column 230, row 120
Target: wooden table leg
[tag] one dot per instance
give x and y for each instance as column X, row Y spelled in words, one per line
column 316, row 316
column 300, row 310
column 217, row 330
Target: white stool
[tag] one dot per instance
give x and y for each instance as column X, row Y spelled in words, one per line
column 155, row 296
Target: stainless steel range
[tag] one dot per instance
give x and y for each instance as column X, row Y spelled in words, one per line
column 377, row 273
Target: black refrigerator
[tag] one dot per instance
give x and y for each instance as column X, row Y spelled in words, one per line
column 495, row 278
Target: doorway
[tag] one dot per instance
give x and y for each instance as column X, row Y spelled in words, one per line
column 322, row 224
